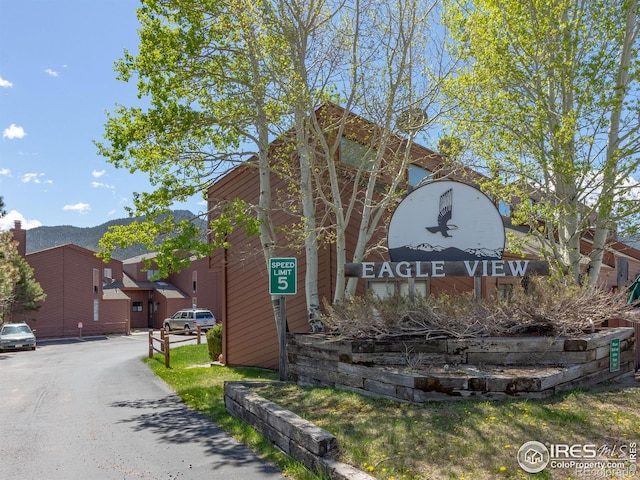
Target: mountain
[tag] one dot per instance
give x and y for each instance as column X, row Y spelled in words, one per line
column 41, row 238
column 426, row 252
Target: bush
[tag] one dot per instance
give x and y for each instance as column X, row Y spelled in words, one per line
column 545, row 307
column 214, row 342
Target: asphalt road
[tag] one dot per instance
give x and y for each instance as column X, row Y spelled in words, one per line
column 92, row 409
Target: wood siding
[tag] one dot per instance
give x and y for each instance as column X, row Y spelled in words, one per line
column 250, row 336
column 247, row 311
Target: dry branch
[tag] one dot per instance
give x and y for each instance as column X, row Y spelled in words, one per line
column 546, row 308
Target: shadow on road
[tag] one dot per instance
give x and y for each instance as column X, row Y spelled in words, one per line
column 70, row 340
column 174, row 423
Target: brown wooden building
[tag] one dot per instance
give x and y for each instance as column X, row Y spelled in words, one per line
column 250, row 336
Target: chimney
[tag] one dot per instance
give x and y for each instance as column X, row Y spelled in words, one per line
column 20, row 236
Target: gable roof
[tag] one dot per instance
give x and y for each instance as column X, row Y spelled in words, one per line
column 437, row 163
column 71, row 246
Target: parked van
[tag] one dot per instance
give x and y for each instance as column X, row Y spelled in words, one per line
column 187, row 320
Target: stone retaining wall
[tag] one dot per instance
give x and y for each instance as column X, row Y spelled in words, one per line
column 417, row 370
column 302, row 440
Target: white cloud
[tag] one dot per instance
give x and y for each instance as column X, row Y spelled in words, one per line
column 627, row 189
column 5, row 172
column 51, row 73
column 8, row 221
column 101, row 185
column 13, row 131
column 632, row 188
column 5, row 83
column 35, row 178
column 78, row 207
column 27, row 177
column 98, row 173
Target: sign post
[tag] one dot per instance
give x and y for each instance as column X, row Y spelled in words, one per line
column 283, row 280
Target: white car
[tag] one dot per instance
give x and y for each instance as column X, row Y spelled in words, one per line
column 16, row 336
column 187, row 320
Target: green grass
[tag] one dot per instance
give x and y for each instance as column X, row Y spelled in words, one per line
column 393, row 441
column 461, row 439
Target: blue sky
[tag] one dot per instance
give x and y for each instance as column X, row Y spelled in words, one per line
column 56, row 83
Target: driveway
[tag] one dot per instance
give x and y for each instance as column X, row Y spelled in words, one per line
column 92, row 409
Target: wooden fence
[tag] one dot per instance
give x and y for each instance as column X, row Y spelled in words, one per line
column 165, row 342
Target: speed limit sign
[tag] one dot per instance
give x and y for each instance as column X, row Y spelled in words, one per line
column 283, row 276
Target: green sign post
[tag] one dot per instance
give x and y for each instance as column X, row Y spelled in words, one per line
column 614, row 355
column 283, row 280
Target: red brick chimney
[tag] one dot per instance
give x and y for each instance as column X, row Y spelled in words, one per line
column 20, row 236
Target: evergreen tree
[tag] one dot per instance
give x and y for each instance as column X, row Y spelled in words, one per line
column 19, row 291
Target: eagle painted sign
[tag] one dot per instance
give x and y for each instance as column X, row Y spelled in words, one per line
column 443, row 229
column 446, row 221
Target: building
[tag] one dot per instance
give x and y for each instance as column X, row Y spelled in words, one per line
column 249, row 329
column 121, row 295
column 86, row 296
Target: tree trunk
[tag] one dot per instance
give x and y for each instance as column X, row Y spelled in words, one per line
column 613, row 142
column 306, row 159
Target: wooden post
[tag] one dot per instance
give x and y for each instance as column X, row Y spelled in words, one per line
column 199, row 333
column 166, row 352
column 477, row 288
column 150, row 343
column 162, row 337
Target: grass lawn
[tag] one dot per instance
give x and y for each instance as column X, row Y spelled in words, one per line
column 439, row 440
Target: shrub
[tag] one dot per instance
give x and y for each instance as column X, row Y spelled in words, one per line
column 214, row 342
column 545, row 307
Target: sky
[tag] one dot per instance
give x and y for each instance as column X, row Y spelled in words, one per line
column 57, row 81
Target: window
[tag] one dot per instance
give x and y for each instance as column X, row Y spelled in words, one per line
column 136, row 306
column 382, row 290
column 194, row 280
column 413, row 289
column 505, row 290
column 151, row 274
column 107, row 273
column 416, row 174
column 391, row 288
column 356, row 154
column 504, row 208
column 96, row 280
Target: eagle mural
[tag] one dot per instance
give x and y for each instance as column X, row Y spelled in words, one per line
column 444, row 215
column 479, row 230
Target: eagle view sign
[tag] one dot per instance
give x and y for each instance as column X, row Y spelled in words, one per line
column 446, row 228
column 446, row 220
